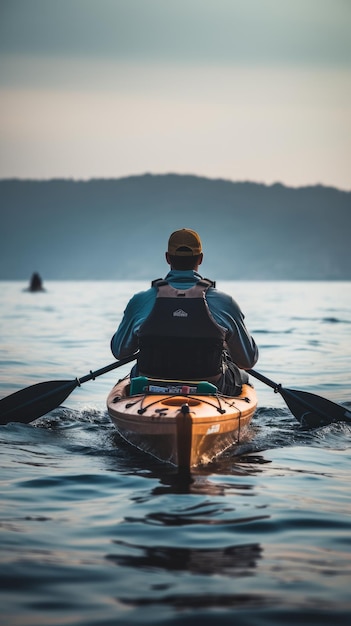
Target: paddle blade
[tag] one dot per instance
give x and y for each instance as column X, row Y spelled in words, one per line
column 313, row 411
column 34, row 401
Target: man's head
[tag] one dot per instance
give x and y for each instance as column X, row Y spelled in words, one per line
column 184, row 250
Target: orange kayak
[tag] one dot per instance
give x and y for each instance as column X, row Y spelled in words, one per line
column 186, row 424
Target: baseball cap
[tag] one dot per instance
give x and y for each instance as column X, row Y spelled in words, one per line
column 184, row 242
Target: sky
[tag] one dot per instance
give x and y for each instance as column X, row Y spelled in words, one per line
column 255, row 90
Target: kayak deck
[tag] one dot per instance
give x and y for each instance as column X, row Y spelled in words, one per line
column 186, row 424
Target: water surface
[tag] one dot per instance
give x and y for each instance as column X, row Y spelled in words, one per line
column 94, row 533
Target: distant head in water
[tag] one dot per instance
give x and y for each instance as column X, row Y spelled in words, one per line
column 36, row 283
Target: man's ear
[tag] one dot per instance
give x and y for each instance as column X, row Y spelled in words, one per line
column 167, row 258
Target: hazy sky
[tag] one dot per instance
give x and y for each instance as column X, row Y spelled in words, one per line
column 254, row 90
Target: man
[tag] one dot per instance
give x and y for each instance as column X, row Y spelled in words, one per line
column 184, row 328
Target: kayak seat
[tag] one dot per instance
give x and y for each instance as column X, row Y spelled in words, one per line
column 143, row 384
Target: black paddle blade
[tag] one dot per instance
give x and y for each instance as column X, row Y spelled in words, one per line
column 32, row 402
column 311, row 410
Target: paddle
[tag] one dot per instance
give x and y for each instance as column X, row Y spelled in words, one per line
column 32, row 402
column 308, row 408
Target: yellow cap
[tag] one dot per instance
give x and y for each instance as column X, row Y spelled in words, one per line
column 184, row 242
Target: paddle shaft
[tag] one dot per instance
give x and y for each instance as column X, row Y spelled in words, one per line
column 37, row 400
column 283, row 391
column 315, row 406
column 107, row 368
column 264, row 380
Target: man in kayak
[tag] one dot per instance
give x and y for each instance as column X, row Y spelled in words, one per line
column 183, row 328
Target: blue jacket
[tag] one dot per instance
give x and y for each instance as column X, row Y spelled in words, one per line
column 239, row 343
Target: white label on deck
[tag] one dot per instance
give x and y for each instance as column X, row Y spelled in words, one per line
column 213, row 429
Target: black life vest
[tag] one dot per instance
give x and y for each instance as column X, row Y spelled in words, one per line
column 180, row 339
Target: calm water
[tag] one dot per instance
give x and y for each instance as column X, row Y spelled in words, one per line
column 94, row 533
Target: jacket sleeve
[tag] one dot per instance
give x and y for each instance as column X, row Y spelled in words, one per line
column 241, row 346
column 239, row 343
column 125, row 342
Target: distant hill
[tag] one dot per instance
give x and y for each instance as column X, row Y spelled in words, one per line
column 118, row 229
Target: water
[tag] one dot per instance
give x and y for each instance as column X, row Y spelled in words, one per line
column 94, row 533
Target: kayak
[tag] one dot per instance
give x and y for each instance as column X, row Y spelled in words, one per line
column 186, row 424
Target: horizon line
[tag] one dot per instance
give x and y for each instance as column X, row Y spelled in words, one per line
column 177, row 174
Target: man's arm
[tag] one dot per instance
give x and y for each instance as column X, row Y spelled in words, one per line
column 240, row 344
column 125, row 340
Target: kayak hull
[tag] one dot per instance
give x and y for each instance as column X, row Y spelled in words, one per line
column 184, row 429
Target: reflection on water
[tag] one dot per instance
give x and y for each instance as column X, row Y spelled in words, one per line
column 230, row 561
